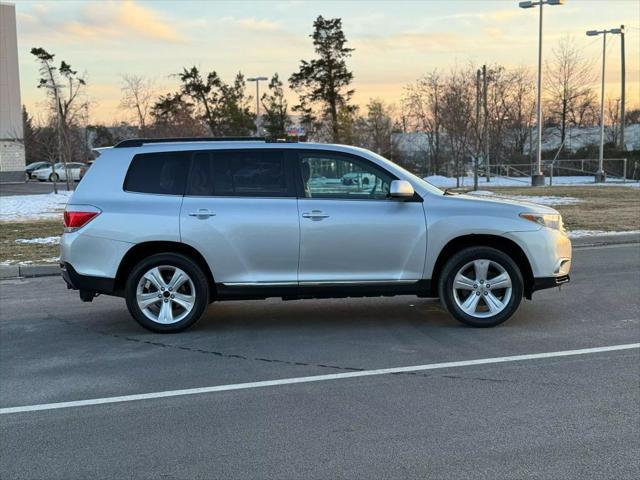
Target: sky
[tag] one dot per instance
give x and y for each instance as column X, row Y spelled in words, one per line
column 395, row 42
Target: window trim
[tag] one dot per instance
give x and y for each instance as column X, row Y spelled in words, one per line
column 298, row 155
column 288, row 173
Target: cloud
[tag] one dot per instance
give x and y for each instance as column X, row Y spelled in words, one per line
column 417, row 41
column 146, row 22
column 114, row 20
column 258, row 25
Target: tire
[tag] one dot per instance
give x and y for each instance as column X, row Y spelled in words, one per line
column 485, row 305
column 166, row 314
column 54, row 177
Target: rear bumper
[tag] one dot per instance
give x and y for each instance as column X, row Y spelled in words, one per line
column 87, row 283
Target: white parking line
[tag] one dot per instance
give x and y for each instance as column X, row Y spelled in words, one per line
column 315, row 378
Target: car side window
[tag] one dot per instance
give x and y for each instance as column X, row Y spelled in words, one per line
column 161, row 173
column 247, row 173
column 346, row 177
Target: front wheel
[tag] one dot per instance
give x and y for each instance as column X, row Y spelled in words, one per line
column 167, row 292
column 481, row 286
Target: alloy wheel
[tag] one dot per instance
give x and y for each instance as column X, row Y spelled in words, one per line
column 166, row 294
column 482, row 288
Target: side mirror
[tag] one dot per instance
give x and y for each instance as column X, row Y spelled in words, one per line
column 401, row 189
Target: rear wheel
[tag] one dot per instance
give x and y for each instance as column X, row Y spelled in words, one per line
column 167, row 292
column 54, row 177
column 481, row 286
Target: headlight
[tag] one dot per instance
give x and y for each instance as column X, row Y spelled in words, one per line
column 548, row 220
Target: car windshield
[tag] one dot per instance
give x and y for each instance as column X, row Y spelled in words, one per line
column 431, row 188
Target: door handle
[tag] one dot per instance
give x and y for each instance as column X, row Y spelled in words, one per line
column 202, row 213
column 315, row 215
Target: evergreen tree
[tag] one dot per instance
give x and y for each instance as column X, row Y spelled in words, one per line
column 29, row 137
column 325, row 80
column 224, row 108
column 276, row 117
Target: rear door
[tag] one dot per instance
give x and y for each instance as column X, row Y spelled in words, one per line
column 351, row 230
column 241, row 213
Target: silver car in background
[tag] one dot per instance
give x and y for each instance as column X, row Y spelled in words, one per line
column 76, row 171
column 173, row 225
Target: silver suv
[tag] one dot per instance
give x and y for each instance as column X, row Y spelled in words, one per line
column 172, row 225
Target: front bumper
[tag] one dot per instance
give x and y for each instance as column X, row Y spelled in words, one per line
column 542, row 283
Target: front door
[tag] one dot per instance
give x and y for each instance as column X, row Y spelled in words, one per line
column 351, row 231
column 241, row 213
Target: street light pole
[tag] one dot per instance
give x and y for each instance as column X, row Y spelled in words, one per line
column 257, row 80
column 537, row 176
column 601, row 176
column 622, row 93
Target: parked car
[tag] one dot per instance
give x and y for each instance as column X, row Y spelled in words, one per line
column 173, row 226
column 29, row 169
column 360, row 179
column 76, row 169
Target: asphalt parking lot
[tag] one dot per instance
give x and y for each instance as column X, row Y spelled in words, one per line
column 566, row 416
column 32, row 187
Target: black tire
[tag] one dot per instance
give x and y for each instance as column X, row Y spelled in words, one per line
column 191, row 268
column 458, row 261
column 54, row 177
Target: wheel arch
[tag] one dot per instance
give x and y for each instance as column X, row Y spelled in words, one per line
column 503, row 244
column 141, row 250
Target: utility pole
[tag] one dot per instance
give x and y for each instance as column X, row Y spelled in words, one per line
column 485, row 128
column 622, row 93
column 600, row 176
column 478, row 143
column 257, row 80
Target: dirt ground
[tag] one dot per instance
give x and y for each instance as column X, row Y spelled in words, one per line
column 13, row 252
column 602, row 208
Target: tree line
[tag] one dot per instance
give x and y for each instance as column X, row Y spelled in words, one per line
column 460, row 116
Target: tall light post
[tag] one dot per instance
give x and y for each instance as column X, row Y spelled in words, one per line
column 622, row 87
column 537, row 177
column 257, row 80
column 600, row 175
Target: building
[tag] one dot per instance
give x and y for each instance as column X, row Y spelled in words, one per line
column 11, row 135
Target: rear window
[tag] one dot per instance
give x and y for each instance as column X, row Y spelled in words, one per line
column 248, row 173
column 162, row 173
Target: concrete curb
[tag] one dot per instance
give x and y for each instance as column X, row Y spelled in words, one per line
column 47, row 270
column 15, row 271
column 606, row 240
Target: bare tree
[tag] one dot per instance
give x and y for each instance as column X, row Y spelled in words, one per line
column 138, row 97
column 377, row 126
column 612, row 121
column 457, row 107
column 522, row 110
column 568, row 79
column 422, row 102
column 64, row 89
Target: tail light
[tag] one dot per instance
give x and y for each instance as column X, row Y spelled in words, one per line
column 73, row 220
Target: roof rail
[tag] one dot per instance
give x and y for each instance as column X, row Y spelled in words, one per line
column 138, row 142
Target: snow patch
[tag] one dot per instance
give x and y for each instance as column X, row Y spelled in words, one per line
column 539, row 199
column 33, row 207
column 597, row 233
column 467, row 181
column 40, row 240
